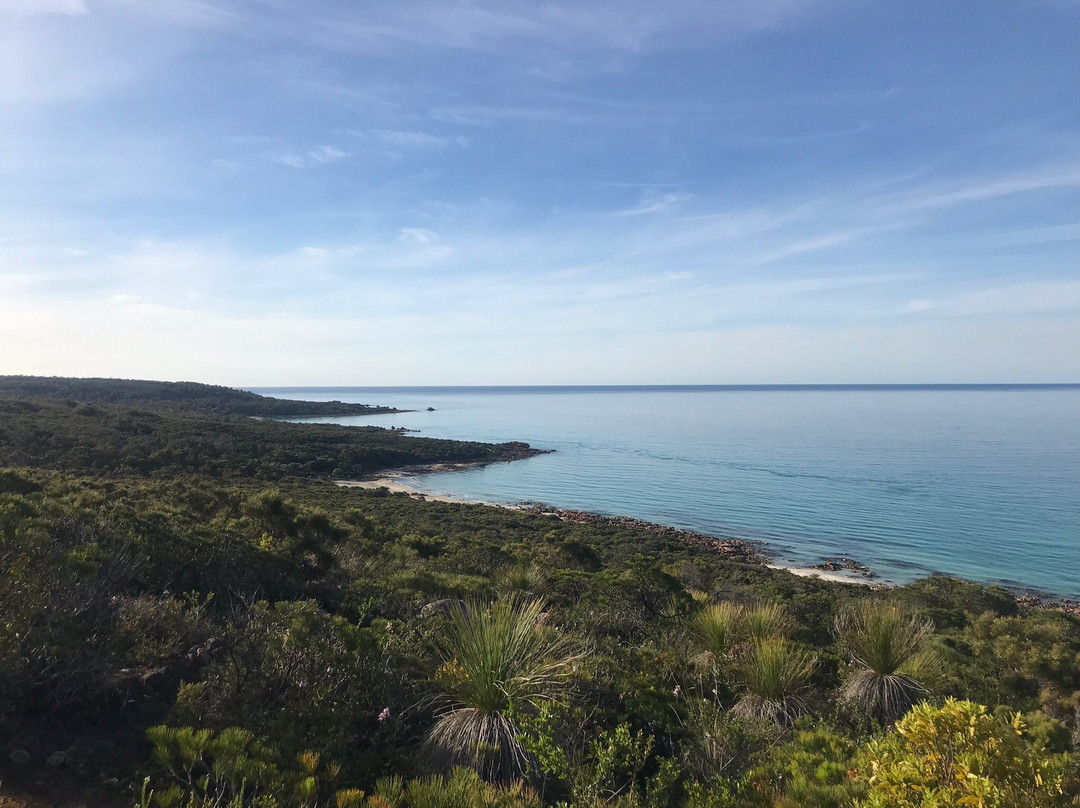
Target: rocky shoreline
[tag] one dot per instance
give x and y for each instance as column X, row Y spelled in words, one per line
column 748, row 551
column 743, row 550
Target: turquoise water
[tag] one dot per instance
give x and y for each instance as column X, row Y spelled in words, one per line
column 982, row 483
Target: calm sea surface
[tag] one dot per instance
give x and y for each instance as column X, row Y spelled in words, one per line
column 978, row 482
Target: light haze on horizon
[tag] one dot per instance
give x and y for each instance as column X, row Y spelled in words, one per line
column 265, row 192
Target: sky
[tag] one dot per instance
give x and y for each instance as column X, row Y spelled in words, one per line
column 276, row 192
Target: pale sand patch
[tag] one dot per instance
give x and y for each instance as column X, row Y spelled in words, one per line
column 394, row 485
column 825, row 575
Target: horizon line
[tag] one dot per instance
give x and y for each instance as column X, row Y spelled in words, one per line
column 659, row 387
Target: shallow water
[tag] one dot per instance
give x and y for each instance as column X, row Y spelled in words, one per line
column 977, row 482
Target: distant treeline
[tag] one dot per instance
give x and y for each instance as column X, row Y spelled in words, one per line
column 115, row 440
column 209, row 398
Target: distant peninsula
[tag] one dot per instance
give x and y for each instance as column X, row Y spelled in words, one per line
column 209, row 398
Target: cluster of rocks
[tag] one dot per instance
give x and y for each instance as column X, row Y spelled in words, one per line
column 30, row 750
column 841, row 563
column 517, row 450
column 1059, row 605
column 737, row 549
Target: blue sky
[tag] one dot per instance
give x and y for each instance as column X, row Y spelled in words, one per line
column 259, row 192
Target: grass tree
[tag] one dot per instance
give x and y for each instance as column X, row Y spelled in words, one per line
column 718, row 628
column 766, row 621
column 774, row 674
column 888, row 652
column 521, row 579
column 498, row 659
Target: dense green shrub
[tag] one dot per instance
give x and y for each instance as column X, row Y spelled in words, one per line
column 301, row 679
column 959, row 754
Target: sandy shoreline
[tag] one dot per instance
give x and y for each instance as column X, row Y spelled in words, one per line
column 394, row 485
column 825, row 575
column 393, row 482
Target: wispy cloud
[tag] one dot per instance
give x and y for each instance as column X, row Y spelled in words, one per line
column 1032, row 298
column 628, row 26
column 30, row 8
column 654, row 204
column 320, row 155
column 508, row 187
column 983, row 190
column 408, row 139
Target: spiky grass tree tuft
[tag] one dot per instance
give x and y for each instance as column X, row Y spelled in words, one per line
column 774, row 675
column 497, row 660
column 892, row 666
column 719, row 628
column 765, row 621
column 521, row 579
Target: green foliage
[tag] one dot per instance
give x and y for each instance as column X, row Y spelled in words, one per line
column 525, row 579
column 719, row 745
column 959, row 754
column 496, row 659
column 151, row 629
column 301, row 678
column 815, row 769
column 724, row 627
column 774, row 675
column 229, row 768
column 617, row 758
column 633, row 600
column 166, row 442
column 1030, row 661
column 891, row 664
column 465, row 788
column 717, row 794
column 719, row 628
column 953, row 603
column 607, row 770
column 765, row 622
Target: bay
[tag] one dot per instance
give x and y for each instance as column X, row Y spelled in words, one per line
column 980, row 482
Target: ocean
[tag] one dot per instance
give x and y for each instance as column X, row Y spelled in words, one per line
column 979, row 482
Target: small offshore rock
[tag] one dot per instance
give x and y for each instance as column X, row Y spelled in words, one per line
column 56, row 758
column 841, row 563
column 19, row 756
